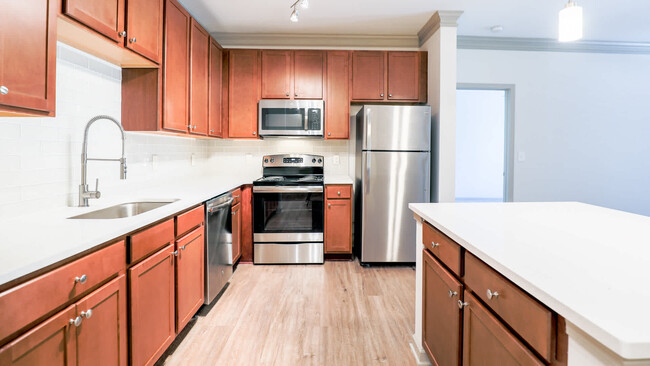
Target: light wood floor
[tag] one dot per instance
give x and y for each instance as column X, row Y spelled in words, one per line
column 335, row 314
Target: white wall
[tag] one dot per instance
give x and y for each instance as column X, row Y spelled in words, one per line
column 581, row 119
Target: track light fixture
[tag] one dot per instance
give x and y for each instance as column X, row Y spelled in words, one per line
column 304, row 4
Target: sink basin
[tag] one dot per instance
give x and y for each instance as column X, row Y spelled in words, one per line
column 123, row 210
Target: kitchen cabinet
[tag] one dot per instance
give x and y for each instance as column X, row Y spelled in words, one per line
column 389, row 76
column 236, row 232
column 176, row 68
column 292, row 74
column 337, row 99
column 368, row 75
column 144, row 28
column 247, row 223
column 150, row 240
column 199, row 81
column 404, row 76
column 215, row 128
column 441, row 316
column 152, row 310
column 189, row 276
column 308, row 74
column 243, row 93
column 28, row 57
column 276, row 74
column 338, row 219
column 105, row 17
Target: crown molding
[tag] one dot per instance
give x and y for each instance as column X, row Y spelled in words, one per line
column 441, row 18
column 314, row 41
column 550, row 45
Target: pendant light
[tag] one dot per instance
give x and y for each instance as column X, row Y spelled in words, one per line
column 570, row 22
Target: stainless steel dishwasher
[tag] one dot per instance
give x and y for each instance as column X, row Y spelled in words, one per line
column 218, row 246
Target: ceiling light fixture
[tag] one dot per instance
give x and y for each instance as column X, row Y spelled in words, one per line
column 570, row 22
column 294, row 14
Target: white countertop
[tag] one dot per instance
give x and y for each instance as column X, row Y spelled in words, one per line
column 32, row 242
column 338, row 179
column 589, row 264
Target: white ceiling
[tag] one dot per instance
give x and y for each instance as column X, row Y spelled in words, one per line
column 605, row 20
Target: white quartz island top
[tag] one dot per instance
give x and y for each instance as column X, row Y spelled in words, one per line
column 35, row 241
column 589, row 264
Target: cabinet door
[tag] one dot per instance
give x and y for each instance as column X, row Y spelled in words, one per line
column 487, row 342
column 176, row 68
column 102, row 335
column 144, row 28
column 53, row 342
column 309, row 67
column 338, row 226
column 214, row 117
column 337, row 103
column 105, row 17
column 403, row 76
column 276, row 74
column 199, row 82
column 28, row 55
column 236, row 232
column 243, row 94
column 441, row 316
column 189, row 276
column 368, row 73
column 152, row 310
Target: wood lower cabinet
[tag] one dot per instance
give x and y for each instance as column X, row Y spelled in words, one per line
column 215, row 128
column 246, row 238
column 144, row 28
column 28, row 57
column 337, row 99
column 441, row 315
column 236, row 232
column 152, row 326
column 105, row 17
column 176, row 68
column 338, row 219
column 189, row 276
column 487, row 342
column 199, row 81
column 243, row 93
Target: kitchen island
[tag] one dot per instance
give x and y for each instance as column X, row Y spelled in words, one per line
column 588, row 265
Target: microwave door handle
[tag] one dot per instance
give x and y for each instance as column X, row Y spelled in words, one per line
column 306, row 119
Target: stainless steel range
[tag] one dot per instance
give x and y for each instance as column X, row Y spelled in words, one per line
column 288, row 210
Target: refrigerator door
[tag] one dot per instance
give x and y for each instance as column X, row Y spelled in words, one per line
column 395, row 128
column 390, row 181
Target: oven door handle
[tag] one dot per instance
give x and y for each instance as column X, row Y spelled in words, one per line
column 282, row 189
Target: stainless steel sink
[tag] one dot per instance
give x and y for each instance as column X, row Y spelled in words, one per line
column 124, row 210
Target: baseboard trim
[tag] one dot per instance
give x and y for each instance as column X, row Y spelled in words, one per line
column 418, row 353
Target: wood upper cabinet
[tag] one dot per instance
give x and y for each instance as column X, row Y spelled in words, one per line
column 276, row 74
column 309, row 69
column 403, row 76
column 243, row 93
column 53, row 342
column 189, row 276
column 105, row 17
column 441, row 316
column 215, row 87
column 152, row 310
column 176, row 68
column 368, row 68
column 236, row 232
column 337, row 99
column 487, row 342
column 144, row 28
column 199, row 81
column 27, row 57
column 338, row 219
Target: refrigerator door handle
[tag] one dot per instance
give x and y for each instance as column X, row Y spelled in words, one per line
column 366, row 184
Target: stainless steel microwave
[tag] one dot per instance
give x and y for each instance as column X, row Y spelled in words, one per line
column 291, row 118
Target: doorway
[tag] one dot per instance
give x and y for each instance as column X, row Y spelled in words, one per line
column 484, row 142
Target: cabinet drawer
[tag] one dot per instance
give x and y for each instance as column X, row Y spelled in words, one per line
column 24, row 304
column 442, row 247
column 149, row 240
column 334, row 192
column 236, row 196
column 189, row 220
column 524, row 314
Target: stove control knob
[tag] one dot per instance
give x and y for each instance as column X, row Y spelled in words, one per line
column 266, row 160
column 313, row 160
column 320, row 161
column 272, row 160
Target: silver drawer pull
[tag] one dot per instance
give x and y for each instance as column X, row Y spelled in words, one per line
column 462, row 304
column 452, row 293
column 4, row 90
column 175, row 253
column 434, row 244
column 76, row 321
column 81, row 279
column 87, row 314
column 491, row 294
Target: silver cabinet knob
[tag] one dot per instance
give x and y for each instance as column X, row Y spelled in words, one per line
column 295, row 95
column 390, row 95
column 211, row 131
column 329, row 134
column 287, row 94
column 381, row 95
column 492, row 294
column 254, row 133
column 339, row 193
column 452, row 293
column 132, row 40
column 462, row 304
column 81, row 279
column 76, row 321
column 87, row 314
column 122, row 34
column 4, row 90
column 434, row 244
column 329, row 205
column 175, row 253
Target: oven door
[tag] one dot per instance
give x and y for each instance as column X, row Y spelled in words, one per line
column 284, row 214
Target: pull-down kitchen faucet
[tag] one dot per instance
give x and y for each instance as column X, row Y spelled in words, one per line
column 84, row 193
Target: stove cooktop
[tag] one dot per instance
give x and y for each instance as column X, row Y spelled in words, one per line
column 278, row 180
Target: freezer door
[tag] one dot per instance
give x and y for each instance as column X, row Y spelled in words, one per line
column 390, row 181
column 395, row 128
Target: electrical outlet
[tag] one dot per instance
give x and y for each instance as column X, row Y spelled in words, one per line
column 336, row 160
column 154, row 162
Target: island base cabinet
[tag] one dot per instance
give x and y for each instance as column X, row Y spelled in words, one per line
column 487, row 342
column 189, row 276
column 152, row 290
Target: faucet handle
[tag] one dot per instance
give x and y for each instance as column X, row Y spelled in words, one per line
column 96, row 193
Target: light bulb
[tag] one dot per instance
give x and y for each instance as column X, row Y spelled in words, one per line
column 304, row 4
column 294, row 15
column 570, row 23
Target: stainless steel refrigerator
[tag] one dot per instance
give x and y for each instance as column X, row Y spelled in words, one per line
column 393, row 158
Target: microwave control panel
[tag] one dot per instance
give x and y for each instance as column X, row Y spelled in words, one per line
column 314, row 119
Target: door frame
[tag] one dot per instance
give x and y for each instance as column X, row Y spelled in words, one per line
column 509, row 137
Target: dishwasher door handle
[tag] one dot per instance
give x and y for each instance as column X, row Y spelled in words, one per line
column 220, row 206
